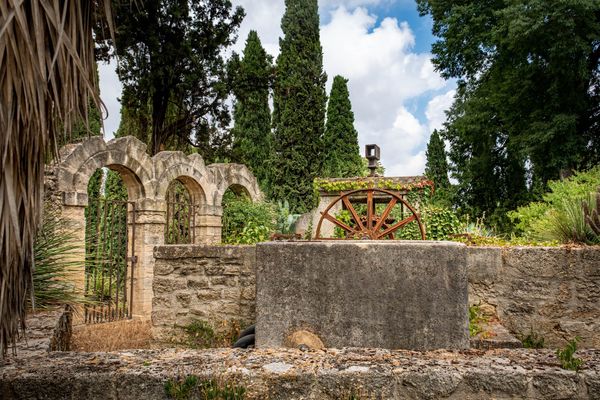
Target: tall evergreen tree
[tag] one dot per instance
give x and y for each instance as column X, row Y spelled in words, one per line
column 436, row 167
column 172, row 68
column 341, row 153
column 299, row 106
column 252, row 137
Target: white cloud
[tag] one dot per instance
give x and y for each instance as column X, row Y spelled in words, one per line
column 436, row 109
column 383, row 74
column 110, row 91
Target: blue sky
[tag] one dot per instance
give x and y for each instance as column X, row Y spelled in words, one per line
column 383, row 48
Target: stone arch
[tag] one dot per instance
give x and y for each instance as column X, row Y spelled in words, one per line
column 189, row 170
column 125, row 155
column 236, row 176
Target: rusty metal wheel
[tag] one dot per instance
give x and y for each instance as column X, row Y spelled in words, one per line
column 370, row 225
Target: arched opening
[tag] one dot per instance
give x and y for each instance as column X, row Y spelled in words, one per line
column 183, row 198
column 245, row 221
column 108, row 253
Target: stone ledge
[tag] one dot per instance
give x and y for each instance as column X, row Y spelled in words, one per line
column 200, row 251
column 293, row 374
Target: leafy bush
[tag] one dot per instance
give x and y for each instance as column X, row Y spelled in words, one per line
column 439, row 222
column 245, row 222
column 559, row 215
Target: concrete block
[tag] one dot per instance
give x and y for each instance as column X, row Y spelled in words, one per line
column 397, row 295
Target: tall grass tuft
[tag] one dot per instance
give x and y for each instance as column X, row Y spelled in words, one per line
column 53, row 268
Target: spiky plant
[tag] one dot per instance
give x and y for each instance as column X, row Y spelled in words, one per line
column 53, row 268
column 592, row 216
column 46, row 83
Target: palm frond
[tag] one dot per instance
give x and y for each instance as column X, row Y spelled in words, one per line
column 46, row 83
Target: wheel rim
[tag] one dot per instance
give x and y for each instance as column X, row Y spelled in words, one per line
column 370, row 226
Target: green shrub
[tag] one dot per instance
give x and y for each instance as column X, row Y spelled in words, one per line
column 440, row 223
column 245, row 222
column 568, row 224
column 558, row 216
column 567, row 357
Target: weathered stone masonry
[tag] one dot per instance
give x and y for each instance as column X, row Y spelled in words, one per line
column 554, row 292
column 211, row 283
column 147, row 179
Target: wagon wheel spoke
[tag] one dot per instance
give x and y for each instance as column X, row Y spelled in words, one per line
column 370, row 209
column 334, row 220
column 353, row 212
column 385, row 214
column 397, row 226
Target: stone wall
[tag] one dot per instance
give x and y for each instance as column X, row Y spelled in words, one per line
column 203, row 282
column 553, row 292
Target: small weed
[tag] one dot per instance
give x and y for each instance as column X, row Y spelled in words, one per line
column 532, row 340
column 476, row 318
column 203, row 335
column 181, row 389
column 147, row 363
column 211, row 390
column 190, row 388
column 567, row 358
column 200, row 334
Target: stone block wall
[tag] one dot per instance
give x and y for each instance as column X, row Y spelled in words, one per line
column 553, row 292
column 203, row 282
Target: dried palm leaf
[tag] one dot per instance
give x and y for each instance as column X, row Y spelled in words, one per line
column 46, row 82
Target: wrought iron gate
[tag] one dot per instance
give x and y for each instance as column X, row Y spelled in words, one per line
column 110, row 260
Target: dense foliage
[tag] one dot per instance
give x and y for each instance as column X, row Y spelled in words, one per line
column 528, row 99
column 245, row 222
column 252, row 137
column 299, row 106
column 172, row 69
column 341, row 154
column 560, row 214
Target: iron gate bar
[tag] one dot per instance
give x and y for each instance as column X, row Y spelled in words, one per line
column 110, row 246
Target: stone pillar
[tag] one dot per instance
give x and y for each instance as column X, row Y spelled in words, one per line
column 149, row 227
column 208, row 224
column 73, row 214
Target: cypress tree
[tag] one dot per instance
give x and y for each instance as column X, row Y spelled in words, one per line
column 436, row 167
column 299, row 106
column 341, row 157
column 252, row 137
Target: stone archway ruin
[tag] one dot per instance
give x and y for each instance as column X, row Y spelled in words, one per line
column 147, row 179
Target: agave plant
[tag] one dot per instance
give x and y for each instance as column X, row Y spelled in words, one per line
column 286, row 221
column 592, row 216
column 46, row 83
